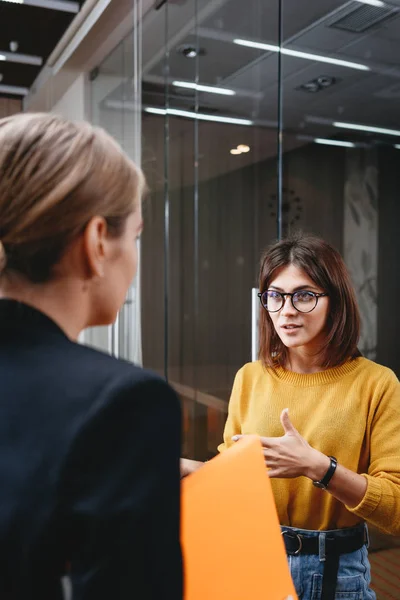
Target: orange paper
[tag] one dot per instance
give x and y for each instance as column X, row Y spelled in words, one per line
column 231, row 538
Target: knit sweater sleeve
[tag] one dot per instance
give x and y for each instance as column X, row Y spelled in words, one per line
column 233, row 422
column 381, row 503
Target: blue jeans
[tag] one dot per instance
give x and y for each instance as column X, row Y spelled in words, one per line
column 354, row 574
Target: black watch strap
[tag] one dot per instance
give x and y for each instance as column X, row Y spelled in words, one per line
column 324, row 482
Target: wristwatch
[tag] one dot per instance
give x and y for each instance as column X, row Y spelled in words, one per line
column 324, row 482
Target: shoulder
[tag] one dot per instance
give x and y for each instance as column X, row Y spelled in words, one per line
column 103, row 380
column 250, row 373
column 376, row 373
column 90, row 362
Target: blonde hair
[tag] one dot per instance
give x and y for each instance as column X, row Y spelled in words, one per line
column 55, row 175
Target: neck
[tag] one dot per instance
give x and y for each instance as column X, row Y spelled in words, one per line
column 63, row 301
column 300, row 361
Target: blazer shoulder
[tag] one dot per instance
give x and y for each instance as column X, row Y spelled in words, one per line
column 102, row 377
column 105, row 364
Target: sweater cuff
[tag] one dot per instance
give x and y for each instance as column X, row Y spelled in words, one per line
column 371, row 498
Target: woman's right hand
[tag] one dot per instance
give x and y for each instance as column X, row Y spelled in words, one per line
column 189, row 466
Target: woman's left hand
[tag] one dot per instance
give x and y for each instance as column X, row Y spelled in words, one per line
column 289, row 456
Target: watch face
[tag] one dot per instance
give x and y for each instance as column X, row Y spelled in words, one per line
column 319, row 485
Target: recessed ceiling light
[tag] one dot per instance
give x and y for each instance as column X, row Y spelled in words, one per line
column 328, row 142
column 378, row 3
column 204, row 88
column 368, row 128
column 16, row 57
column 235, row 151
column 299, row 54
column 193, row 115
column 62, row 5
column 243, row 148
column 190, row 51
column 14, row 90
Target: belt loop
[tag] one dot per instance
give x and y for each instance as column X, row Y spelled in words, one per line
column 321, row 540
column 366, row 534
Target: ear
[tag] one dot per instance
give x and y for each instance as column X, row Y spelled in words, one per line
column 95, row 244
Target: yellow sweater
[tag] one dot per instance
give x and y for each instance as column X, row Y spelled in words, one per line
column 351, row 412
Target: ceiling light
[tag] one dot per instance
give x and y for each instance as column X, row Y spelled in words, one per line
column 243, row 148
column 258, row 45
column 204, row 88
column 397, row 146
column 62, row 5
column 187, row 51
column 14, row 90
column 190, row 52
column 153, row 111
column 368, row 128
column 334, row 143
column 298, row 54
column 235, row 151
column 205, row 117
column 16, row 57
column 198, row 116
column 372, row 2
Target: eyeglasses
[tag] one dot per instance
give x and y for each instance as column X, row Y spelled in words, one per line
column 303, row 300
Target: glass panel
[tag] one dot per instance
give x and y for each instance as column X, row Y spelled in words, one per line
column 341, row 120
column 236, row 215
column 207, row 97
column 107, row 112
column 116, row 106
column 341, row 131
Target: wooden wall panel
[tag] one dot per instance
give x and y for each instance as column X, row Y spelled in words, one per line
column 9, row 106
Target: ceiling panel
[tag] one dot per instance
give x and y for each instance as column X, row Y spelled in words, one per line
column 36, row 30
column 370, row 96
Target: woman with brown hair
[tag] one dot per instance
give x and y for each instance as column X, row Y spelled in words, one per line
column 328, row 420
column 84, row 489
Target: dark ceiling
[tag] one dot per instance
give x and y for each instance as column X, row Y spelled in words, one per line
column 37, row 31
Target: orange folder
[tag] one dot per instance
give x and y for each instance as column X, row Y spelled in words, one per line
column 231, row 538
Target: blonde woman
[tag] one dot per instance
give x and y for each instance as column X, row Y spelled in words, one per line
column 84, row 489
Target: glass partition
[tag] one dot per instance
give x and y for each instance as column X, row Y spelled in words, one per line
column 251, row 121
column 210, row 146
column 116, row 106
column 340, row 89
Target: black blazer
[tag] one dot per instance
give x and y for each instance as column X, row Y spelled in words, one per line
column 89, row 469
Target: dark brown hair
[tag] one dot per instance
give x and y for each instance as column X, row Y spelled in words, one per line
column 55, row 175
column 324, row 265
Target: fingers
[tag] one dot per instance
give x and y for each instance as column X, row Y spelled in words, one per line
column 266, row 442
column 287, row 425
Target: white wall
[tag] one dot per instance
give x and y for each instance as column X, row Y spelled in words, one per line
column 73, row 104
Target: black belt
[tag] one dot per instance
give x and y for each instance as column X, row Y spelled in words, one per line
column 334, row 546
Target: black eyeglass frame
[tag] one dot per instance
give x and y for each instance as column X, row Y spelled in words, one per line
column 291, row 294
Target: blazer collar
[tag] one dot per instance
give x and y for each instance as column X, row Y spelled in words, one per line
column 17, row 315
